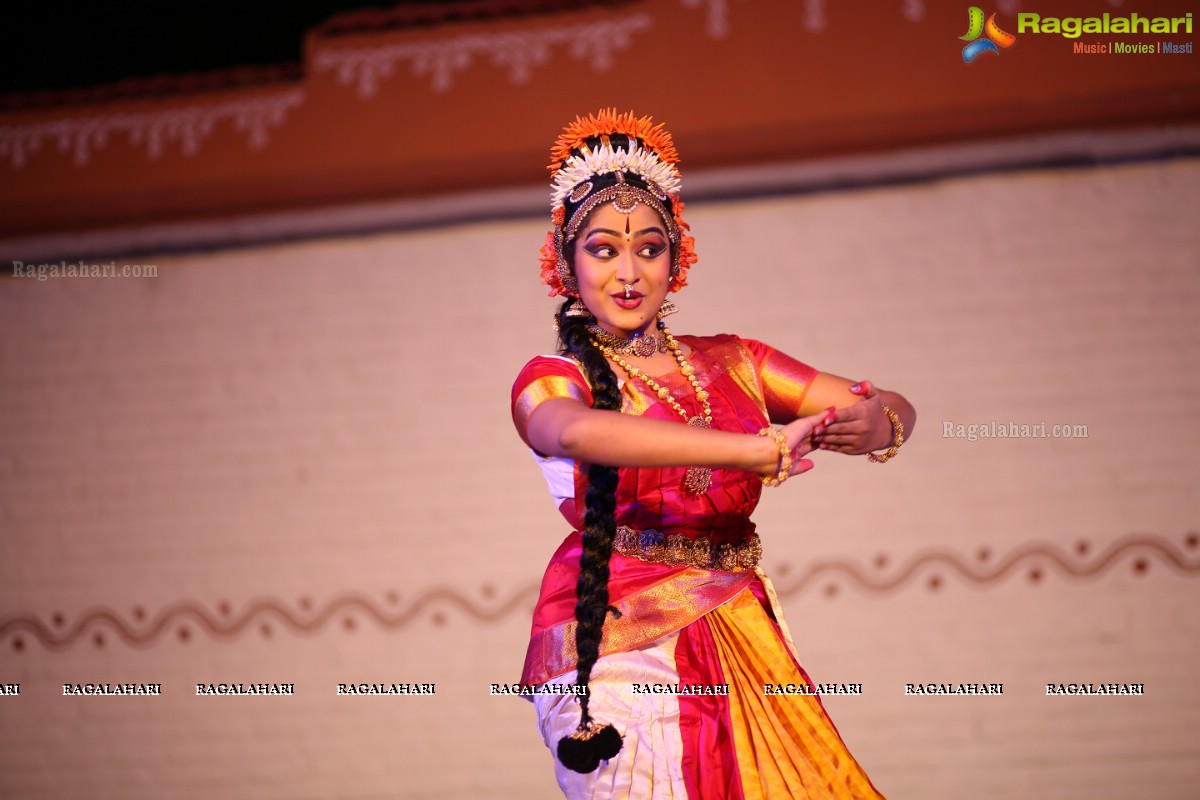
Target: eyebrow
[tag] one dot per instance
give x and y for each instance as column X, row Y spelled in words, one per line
column 611, row 232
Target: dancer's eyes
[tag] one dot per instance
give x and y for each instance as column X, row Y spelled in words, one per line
column 651, row 249
column 600, row 250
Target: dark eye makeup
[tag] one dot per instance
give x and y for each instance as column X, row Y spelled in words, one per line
column 599, row 247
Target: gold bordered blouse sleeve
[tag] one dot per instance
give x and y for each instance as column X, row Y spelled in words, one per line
column 784, row 381
column 543, row 378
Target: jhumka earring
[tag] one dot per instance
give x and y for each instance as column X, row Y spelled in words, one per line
column 666, row 309
column 577, row 309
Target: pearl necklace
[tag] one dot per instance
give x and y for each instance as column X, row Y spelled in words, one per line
column 697, row 479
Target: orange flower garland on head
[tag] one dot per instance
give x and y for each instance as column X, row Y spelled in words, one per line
column 609, row 122
column 648, row 143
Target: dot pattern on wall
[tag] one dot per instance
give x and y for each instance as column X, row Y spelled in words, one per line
column 934, row 570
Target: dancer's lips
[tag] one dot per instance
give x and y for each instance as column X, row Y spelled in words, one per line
column 632, row 301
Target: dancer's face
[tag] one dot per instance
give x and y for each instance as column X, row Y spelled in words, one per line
column 614, row 249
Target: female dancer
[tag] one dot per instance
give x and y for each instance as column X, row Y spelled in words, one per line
column 656, row 633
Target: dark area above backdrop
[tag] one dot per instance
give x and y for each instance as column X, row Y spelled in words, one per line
column 62, row 53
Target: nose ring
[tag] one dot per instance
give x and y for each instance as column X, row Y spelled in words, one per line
column 628, row 289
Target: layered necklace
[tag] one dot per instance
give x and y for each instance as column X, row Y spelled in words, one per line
column 642, row 345
column 697, row 479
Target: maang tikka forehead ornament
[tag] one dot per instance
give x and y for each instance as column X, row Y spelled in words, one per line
column 619, row 159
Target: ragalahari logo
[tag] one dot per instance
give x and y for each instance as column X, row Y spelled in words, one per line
column 995, row 39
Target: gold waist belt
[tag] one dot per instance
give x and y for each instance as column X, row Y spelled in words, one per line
column 678, row 550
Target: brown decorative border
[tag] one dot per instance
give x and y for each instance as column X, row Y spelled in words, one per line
column 370, row 20
column 1034, row 560
column 155, row 87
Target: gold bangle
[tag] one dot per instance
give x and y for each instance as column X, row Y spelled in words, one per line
column 785, row 456
column 897, row 438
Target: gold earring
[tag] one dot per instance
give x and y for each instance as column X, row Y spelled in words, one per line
column 666, row 309
column 577, row 309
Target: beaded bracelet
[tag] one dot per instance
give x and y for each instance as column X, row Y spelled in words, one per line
column 785, row 456
column 897, row 438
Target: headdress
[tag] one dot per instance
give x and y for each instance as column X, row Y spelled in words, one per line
column 620, row 159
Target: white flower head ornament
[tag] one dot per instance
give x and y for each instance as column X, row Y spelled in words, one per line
column 660, row 178
column 617, row 159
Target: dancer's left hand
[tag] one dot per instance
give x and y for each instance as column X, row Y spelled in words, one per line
column 857, row 429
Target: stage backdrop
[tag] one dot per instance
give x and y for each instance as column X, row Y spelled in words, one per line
column 295, row 464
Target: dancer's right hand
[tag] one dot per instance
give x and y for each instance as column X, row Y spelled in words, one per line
column 799, row 435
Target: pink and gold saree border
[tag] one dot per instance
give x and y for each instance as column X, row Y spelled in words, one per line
column 647, row 614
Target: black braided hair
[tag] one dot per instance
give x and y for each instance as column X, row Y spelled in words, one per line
column 600, row 526
column 599, row 530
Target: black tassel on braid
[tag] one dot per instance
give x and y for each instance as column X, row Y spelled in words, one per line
column 593, row 742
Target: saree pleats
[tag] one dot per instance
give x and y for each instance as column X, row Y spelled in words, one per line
column 710, row 766
column 649, row 766
column 786, row 745
column 743, row 745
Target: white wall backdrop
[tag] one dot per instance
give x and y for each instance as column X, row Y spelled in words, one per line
column 295, row 464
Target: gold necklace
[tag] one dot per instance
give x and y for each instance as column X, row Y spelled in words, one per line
column 643, row 345
column 697, row 479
